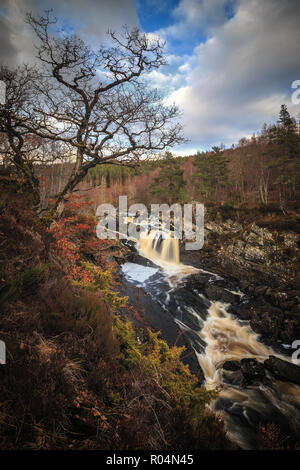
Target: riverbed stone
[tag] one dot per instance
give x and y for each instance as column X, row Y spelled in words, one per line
column 283, row 370
column 253, row 371
column 241, row 311
column 214, row 292
column 231, row 365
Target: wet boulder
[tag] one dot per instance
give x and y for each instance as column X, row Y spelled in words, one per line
column 243, row 311
column 231, row 365
column 283, row 370
column 134, row 257
column 199, row 280
column 191, row 306
column 214, row 292
column 253, row 372
column 244, row 373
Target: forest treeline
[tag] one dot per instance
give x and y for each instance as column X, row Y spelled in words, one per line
column 259, row 171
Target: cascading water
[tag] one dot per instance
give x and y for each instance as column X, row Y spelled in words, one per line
column 158, row 247
column 226, row 340
column 217, row 337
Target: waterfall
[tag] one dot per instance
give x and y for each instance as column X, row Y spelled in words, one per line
column 155, row 246
column 227, row 340
column 218, row 337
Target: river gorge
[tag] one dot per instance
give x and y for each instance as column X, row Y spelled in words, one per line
column 231, row 357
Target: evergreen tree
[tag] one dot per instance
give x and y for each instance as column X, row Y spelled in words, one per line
column 169, row 185
column 211, row 172
column 287, row 158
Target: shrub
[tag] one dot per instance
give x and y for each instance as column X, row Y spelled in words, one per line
column 98, row 279
column 269, row 437
column 82, row 313
column 163, row 364
column 25, row 284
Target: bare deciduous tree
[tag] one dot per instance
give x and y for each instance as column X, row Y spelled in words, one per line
column 20, row 149
column 96, row 103
column 16, row 145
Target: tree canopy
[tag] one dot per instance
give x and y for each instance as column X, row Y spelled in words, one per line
column 169, row 186
column 211, row 172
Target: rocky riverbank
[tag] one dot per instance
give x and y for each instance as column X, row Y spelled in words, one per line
column 262, row 264
column 257, row 387
column 251, row 372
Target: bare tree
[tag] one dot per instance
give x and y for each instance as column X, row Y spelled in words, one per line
column 17, row 147
column 95, row 101
column 263, row 186
column 20, row 149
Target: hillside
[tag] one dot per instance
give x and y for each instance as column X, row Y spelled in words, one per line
column 76, row 376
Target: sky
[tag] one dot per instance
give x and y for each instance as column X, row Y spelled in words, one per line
column 230, row 65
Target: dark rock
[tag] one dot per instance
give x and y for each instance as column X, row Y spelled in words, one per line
column 295, row 293
column 245, row 372
column 266, row 327
column 260, row 290
column 151, row 314
column 130, row 244
column 287, row 305
column 253, row 371
column 216, row 293
column 234, row 378
column 274, row 311
column 244, row 284
column 241, row 311
column 232, row 365
column 283, row 370
column 268, row 292
column 82, row 427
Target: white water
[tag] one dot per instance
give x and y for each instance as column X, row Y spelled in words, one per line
column 225, row 337
column 164, row 252
column 226, row 340
column 157, row 248
column 138, row 273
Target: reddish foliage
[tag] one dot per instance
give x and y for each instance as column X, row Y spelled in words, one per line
column 74, row 234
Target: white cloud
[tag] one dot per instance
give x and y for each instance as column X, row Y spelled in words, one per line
column 243, row 73
column 193, row 15
column 186, row 67
column 90, row 19
column 165, row 82
column 231, row 84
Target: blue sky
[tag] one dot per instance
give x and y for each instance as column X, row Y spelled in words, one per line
column 158, row 15
column 230, row 62
column 155, row 14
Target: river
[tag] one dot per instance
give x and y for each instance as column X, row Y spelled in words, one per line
column 216, row 336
